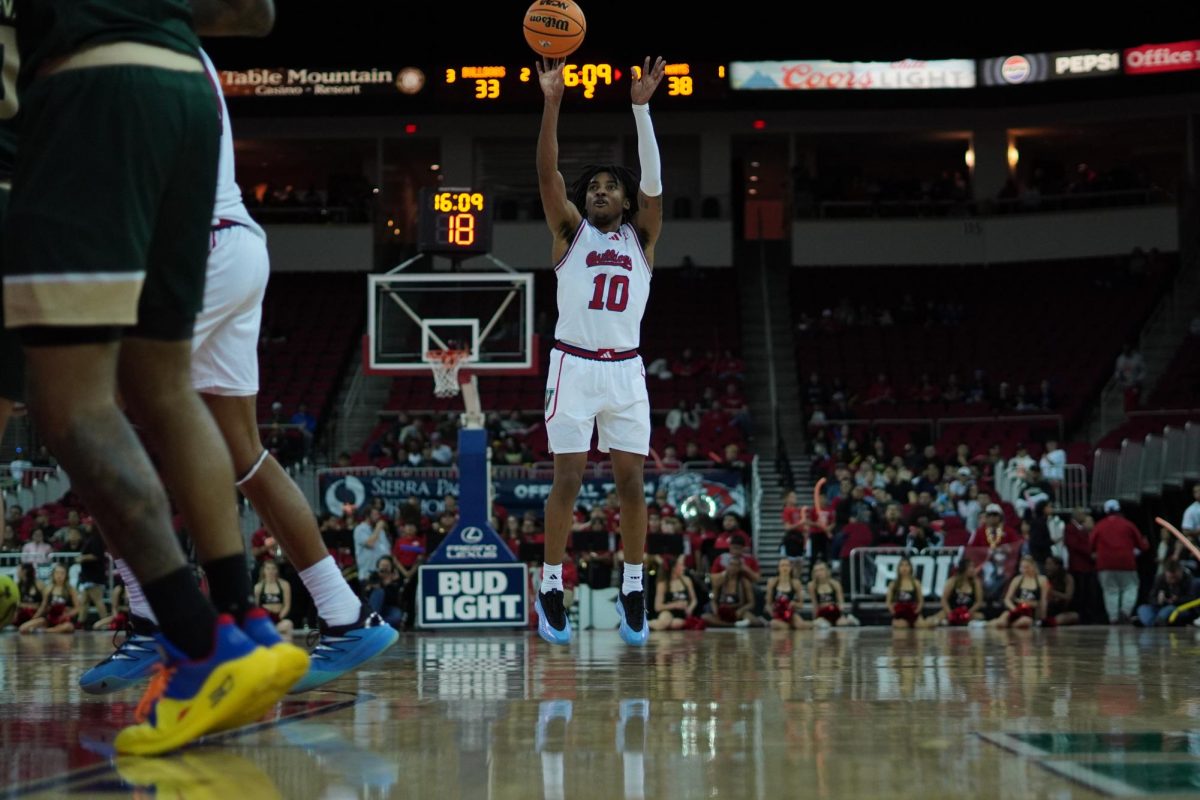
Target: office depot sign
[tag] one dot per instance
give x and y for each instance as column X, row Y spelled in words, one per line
column 1173, row 57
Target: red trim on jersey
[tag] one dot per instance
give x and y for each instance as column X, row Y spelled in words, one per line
column 557, row 381
column 604, row 354
column 638, row 241
column 575, row 241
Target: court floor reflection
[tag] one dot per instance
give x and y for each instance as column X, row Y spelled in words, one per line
column 847, row 713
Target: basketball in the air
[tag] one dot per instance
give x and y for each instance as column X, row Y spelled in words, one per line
column 10, row 598
column 555, row 28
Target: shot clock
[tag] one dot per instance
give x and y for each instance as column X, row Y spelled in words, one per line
column 454, row 222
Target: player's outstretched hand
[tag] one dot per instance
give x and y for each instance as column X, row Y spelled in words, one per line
column 550, row 76
column 643, row 86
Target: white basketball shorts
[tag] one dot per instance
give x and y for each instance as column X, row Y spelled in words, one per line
column 582, row 393
column 225, row 343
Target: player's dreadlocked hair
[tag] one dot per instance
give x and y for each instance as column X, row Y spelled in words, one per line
column 628, row 179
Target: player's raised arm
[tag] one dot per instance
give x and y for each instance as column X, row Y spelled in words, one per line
column 650, row 214
column 233, row 17
column 561, row 214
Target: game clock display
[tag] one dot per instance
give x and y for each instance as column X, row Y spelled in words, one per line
column 455, row 222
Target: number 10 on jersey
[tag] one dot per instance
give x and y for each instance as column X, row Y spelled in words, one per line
column 615, row 298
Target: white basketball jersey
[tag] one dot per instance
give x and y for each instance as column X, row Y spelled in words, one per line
column 603, row 286
column 229, row 203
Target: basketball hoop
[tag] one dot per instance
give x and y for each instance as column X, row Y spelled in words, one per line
column 445, row 365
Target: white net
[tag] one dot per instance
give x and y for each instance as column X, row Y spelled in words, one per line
column 446, row 365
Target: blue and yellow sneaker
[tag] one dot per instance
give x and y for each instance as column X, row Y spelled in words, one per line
column 130, row 663
column 631, row 608
column 553, row 625
column 345, row 647
column 291, row 663
column 187, row 699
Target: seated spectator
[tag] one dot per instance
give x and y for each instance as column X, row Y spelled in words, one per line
column 36, row 550
column 274, row 595
column 687, row 364
column 674, row 599
column 828, row 599
column 925, row 391
column 1062, row 594
column 962, row 598
column 733, row 603
column 879, row 392
column 10, row 544
column 1045, row 399
column 1031, row 490
column 785, row 599
column 383, row 592
column 732, row 458
column 736, row 545
column 814, row 391
column 969, row 508
column 728, row 365
column 665, row 509
column 1053, row 463
column 1174, row 587
column 1023, row 402
column 905, row 596
column 892, row 531
column 963, row 481
column 923, row 533
column 670, row 457
column 993, row 533
column 952, row 393
column 1026, row 599
column 681, row 416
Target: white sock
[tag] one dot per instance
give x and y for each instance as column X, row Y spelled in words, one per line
column 632, row 582
column 336, row 604
column 551, row 578
column 137, row 600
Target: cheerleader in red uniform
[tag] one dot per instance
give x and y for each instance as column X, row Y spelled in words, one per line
column 31, row 592
column 962, row 598
column 827, row 599
column 785, row 599
column 1025, row 599
column 904, row 596
column 60, row 606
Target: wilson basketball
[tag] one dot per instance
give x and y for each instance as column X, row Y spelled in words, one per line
column 555, row 28
column 10, row 598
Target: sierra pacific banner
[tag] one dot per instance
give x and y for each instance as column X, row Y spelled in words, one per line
column 714, row 492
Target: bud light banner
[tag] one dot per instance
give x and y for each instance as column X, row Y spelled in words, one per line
column 476, row 596
column 714, row 492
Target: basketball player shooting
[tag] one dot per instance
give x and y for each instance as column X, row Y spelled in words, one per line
column 604, row 234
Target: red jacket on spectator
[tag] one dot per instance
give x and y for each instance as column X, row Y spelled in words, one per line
column 980, row 539
column 1079, row 548
column 1113, row 540
column 858, row 534
column 404, row 550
